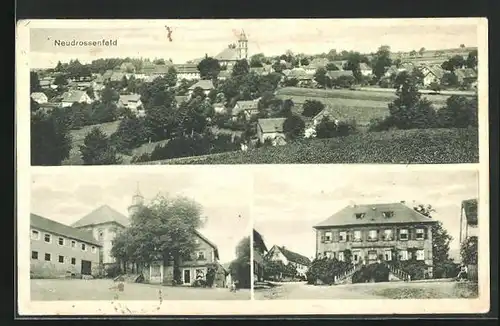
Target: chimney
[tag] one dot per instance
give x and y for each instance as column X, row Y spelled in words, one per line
column 206, row 55
column 403, row 202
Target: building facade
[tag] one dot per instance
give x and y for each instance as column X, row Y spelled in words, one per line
column 299, row 262
column 259, row 251
column 59, row 250
column 378, row 232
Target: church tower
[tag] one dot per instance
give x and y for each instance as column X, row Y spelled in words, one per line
column 137, row 202
column 242, row 46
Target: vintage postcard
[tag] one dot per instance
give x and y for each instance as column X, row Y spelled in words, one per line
column 232, row 92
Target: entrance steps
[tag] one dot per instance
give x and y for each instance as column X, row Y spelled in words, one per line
column 129, row 278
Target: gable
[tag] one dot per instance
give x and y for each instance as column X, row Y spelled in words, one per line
column 103, row 214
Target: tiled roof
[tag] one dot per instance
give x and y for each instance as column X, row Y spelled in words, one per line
column 187, row 68
column 246, row 105
column 318, row 63
column 72, row 96
column 339, row 73
column 203, row 84
column 271, row 124
column 44, row 224
column 435, row 70
column 37, row 96
column 228, row 54
column 300, row 74
column 470, row 208
column 374, row 214
column 258, row 241
column 294, row 257
column 103, row 214
column 130, row 98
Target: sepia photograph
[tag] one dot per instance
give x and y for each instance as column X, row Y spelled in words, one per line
column 274, row 91
column 365, row 235
column 139, row 236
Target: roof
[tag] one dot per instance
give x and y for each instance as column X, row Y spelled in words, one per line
column 466, row 73
column 299, row 73
column 107, row 74
column 130, row 98
column 38, row 96
column 258, row 241
column 294, row 257
column 127, row 65
column 435, row 70
column 271, row 124
column 45, row 224
column 101, row 215
column 156, row 69
column 72, row 96
column 318, row 62
column 180, row 98
column 364, row 66
column 228, row 54
column 45, row 82
column 373, row 214
column 246, row 105
column 470, row 208
column 186, row 68
column 117, row 76
column 203, row 84
column 216, row 250
column 339, row 73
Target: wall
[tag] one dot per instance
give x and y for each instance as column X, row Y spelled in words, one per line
column 53, row 268
column 108, row 234
column 276, row 255
column 364, row 245
column 209, row 255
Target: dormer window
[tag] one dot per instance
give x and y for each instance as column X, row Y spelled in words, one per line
column 360, row 215
column 388, row 214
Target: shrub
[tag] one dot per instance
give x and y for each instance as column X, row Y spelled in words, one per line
column 311, row 108
column 415, row 268
column 376, row 272
column 199, row 284
column 113, row 271
column 325, row 270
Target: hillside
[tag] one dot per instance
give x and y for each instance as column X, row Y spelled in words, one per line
column 431, row 146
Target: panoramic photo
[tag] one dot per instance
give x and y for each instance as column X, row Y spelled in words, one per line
column 255, row 91
column 366, row 235
column 139, row 236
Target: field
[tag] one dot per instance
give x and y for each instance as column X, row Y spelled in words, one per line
column 51, row 290
column 427, row 146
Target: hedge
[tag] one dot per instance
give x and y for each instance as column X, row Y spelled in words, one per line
column 418, row 146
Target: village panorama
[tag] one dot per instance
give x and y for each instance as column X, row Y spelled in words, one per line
column 239, row 106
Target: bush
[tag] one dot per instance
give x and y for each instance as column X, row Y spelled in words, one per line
column 415, row 268
column 311, row 108
column 377, row 272
column 325, row 270
column 199, row 284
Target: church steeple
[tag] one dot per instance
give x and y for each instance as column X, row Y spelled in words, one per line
column 137, row 202
column 243, row 46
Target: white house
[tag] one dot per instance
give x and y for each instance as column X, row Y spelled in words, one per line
column 365, row 69
column 131, row 102
column 39, row 97
column 249, row 108
column 432, row 74
column 205, row 85
column 271, row 128
column 300, row 262
column 187, row 71
column 75, row 96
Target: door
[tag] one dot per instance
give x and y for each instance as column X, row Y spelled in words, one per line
column 156, row 273
column 187, row 276
column 86, row 267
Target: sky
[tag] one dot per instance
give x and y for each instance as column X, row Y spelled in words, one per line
column 66, row 195
column 286, row 218
column 193, row 39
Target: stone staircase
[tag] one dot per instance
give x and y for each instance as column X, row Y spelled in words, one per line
column 397, row 274
column 346, row 277
column 129, row 278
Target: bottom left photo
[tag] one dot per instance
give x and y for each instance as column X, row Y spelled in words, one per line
column 175, row 234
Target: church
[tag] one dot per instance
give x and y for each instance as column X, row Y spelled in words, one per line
column 234, row 52
column 104, row 223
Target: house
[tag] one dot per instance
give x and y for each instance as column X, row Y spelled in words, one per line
column 234, row 53
column 315, row 64
column 259, row 251
column 365, row 69
column 432, row 74
column 249, row 108
column 334, row 74
column 286, row 256
column 75, row 96
column 47, row 83
column 156, row 70
column 300, row 75
column 105, row 223
column 272, row 129
column 205, row 84
column 466, row 75
column 469, row 228
column 187, row 71
column 328, row 112
column 132, row 102
column 220, row 108
column 376, row 232
column 59, row 250
column 39, row 97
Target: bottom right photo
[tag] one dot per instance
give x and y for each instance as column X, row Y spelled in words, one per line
column 331, row 232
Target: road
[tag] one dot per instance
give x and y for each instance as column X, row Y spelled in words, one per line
column 302, row 291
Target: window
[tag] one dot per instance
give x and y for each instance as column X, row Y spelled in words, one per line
column 356, row 255
column 420, row 234
column 47, row 257
column 84, row 247
column 100, row 233
column 61, row 259
column 341, row 256
column 343, row 236
column 388, row 255
column 93, row 249
column 196, row 241
column 329, row 254
column 73, row 244
column 420, row 255
column 403, row 234
column 388, row 214
column 357, row 235
column 61, row 241
column 47, row 238
column 360, row 215
column 73, row 261
column 373, row 235
column 388, row 235
column 328, row 236
column 200, row 255
column 34, row 255
column 35, row 235
column 372, row 255
column 403, row 255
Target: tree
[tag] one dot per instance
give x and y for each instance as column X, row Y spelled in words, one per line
column 256, row 60
column 294, row 127
column 381, row 61
column 436, row 87
column 61, row 80
column 50, row 138
column 97, row 150
column 163, row 230
column 455, row 62
column 344, row 81
column 449, row 79
column 109, row 95
column 459, row 112
column 321, row 78
column 311, row 108
column 469, row 251
column 104, row 112
column 34, row 82
column 240, row 267
column 304, row 61
column 471, row 61
column 131, row 133
column 421, row 51
column 326, row 128
column 352, row 64
column 330, row 66
column 209, row 68
column 160, row 122
column 171, row 77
